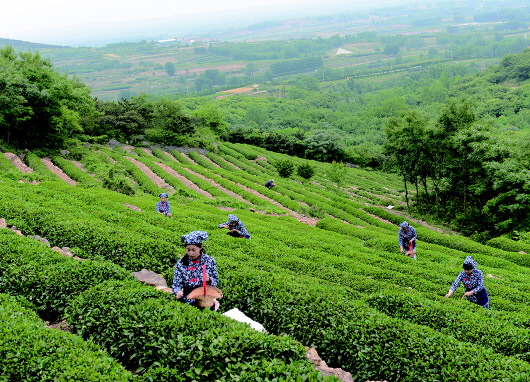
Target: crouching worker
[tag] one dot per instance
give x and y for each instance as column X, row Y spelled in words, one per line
column 195, row 277
column 163, row 205
column 473, row 281
column 235, row 227
column 407, row 239
column 270, row 184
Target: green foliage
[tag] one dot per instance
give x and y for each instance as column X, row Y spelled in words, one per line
column 284, row 167
column 123, row 319
column 40, row 108
column 347, row 269
column 48, row 283
column 336, row 173
column 31, row 352
column 305, row 170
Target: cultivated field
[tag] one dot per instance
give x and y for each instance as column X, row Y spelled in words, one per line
column 322, row 269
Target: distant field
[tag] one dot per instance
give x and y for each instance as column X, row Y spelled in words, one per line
column 124, row 70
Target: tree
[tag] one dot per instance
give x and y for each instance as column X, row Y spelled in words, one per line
column 212, row 118
column 337, row 172
column 406, row 145
column 38, row 106
column 392, row 49
column 284, row 167
column 170, row 69
column 305, row 170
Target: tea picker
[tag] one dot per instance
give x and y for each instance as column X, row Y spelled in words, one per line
column 407, row 239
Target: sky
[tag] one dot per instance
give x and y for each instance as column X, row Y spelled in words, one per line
column 97, row 22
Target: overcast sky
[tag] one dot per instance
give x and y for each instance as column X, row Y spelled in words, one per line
column 66, row 21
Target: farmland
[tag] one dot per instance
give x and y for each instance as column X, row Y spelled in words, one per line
column 371, row 42
column 322, row 269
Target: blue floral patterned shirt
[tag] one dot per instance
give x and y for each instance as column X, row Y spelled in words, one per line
column 473, row 282
column 163, row 207
column 188, row 274
column 404, row 238
column 240, row 227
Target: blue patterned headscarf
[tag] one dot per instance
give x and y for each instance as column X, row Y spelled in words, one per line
column 470, row 261
column 194, row 238
column 404, row 225
column 232, row 218
column 163, row 195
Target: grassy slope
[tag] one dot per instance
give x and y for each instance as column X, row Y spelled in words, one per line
column 352, row 250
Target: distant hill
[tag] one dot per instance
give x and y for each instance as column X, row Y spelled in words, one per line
column 26, row 45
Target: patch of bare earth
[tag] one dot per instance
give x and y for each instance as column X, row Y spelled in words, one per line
column 188, row 158
column 213, row 183
column 17, row 162
column 147, row 151
column 80, row 166
column 188, row 183
column 161, row 183
column 231, row 164
column 210, row 161
column 259, row 158
column 57, row 171
column 301, row 218
column 132, row 207
column 61, row 325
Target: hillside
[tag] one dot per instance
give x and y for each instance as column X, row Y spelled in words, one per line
column 322, row 268
column 383, row 44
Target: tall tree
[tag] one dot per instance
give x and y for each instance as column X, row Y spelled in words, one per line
column 39, row 107
column 406, row 145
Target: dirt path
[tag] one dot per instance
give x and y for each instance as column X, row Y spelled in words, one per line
column 161, row 183
column 213, row 183
column 57, row 171
column 301, row 218
column 445, row 231
column 184, row 180
column 17, row 162
column 209, row 160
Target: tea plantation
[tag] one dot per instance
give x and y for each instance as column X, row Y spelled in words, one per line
column 322, row 269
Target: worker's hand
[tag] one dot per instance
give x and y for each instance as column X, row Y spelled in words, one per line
column 401, row 250
column 467, row 294
column 223, row 226
column 179, row 294
column 234, row 230
column 449, row 294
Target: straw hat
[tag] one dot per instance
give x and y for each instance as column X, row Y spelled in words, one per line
column 205, row 295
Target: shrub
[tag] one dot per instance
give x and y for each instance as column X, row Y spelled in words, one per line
column 337, row 173
column 30, row 352
column 284, row 167
column 305, row 170
column 145, row 328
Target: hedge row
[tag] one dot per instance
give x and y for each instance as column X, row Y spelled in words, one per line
column 351, row 335
column 46, row 278
column 30, row 352
column 83, row 178
column 174, row 341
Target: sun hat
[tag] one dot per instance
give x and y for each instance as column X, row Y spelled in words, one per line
column 404, row 225
column 163, row 195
